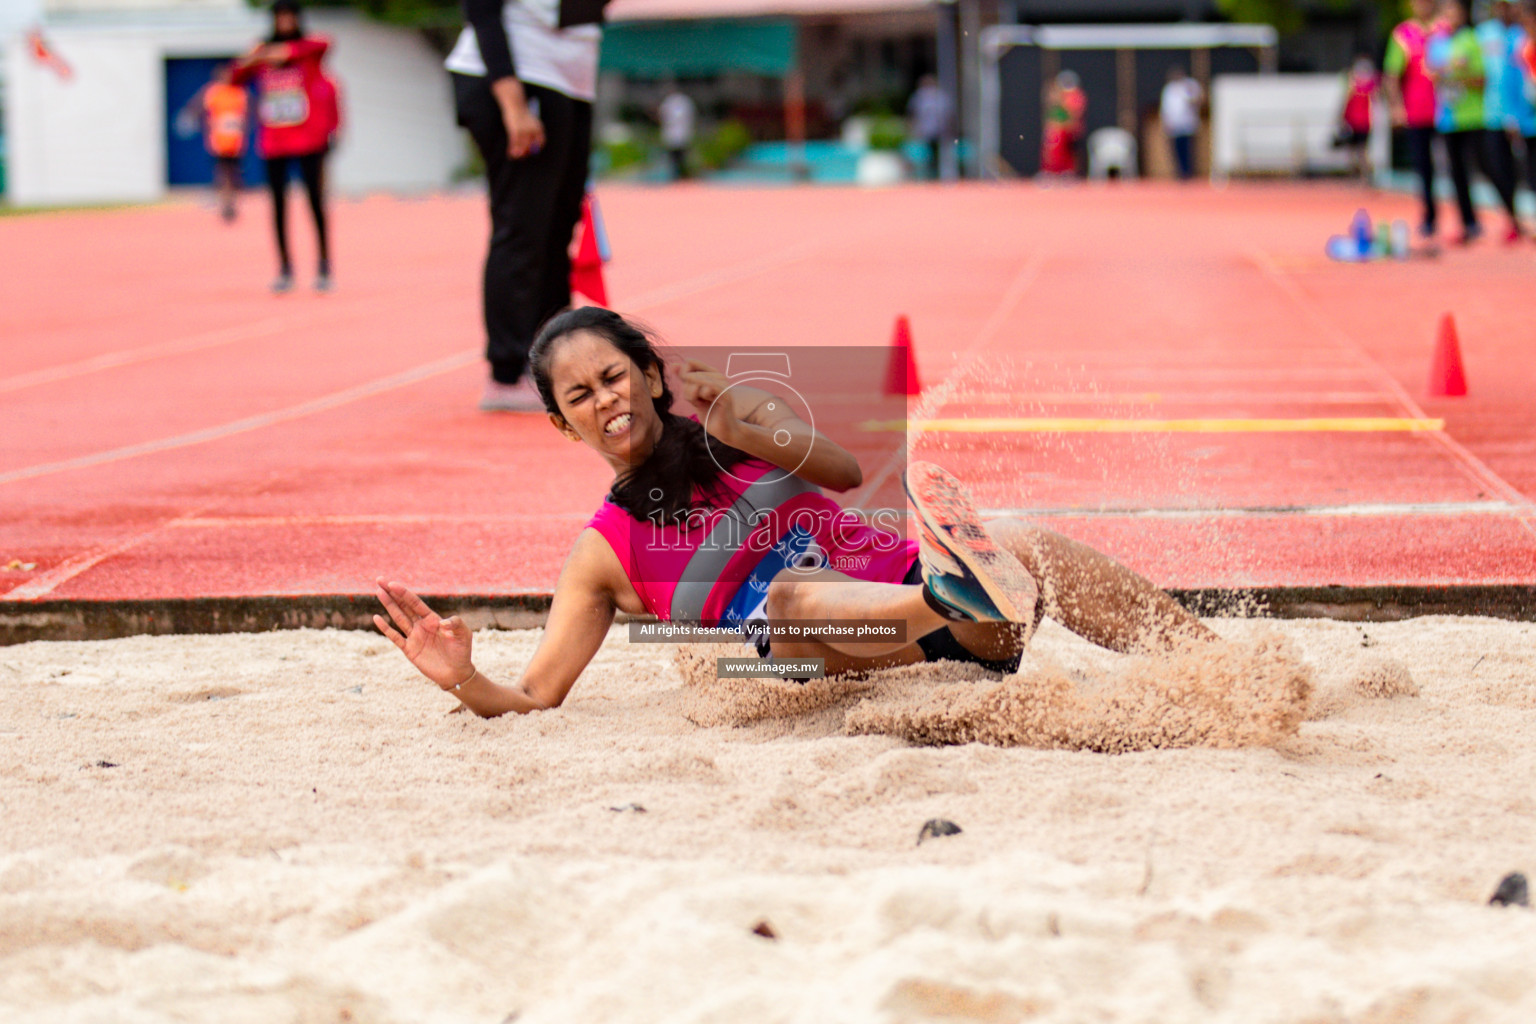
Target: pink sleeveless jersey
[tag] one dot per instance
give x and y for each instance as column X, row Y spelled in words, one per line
column 1418, row 89
column 716, row 567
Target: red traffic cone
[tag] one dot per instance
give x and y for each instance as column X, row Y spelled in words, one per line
column 587, row 267
column 1447, row 379
column 901, row 368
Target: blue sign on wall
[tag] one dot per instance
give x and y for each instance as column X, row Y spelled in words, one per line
column 186, row 160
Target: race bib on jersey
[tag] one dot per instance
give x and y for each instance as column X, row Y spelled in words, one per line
column 284, row 103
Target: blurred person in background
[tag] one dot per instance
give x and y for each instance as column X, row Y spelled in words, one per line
column 298, row 114
column 524, row 78
column 1499, row 36
column 1520, row 84
column 1180, row 112
column 1411, row 95
column 1454, row 57
column 1354, row 132
column 1065, row 108
column 677, row 116
column 219, row 111
column 928, row 115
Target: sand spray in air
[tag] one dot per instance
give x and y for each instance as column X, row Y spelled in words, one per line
column 713, row 701
column 1224, row 694
column 1251, row 692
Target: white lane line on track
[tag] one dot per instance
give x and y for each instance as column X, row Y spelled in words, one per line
column 692, row 286
column 1086, row 425
column 1360, row 510
column 46, row 583
column 366, row 519
column 42, row 585
column 266, row 419
column 1364, row 510
column 179, row 346
column 1169, row 397
column 728, row 275
column 935, row 398
column 1470, row 464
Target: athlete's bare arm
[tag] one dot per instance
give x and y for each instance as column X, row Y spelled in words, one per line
column 765, row 425
column 592, row 586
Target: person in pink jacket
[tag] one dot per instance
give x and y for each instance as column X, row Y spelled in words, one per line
column 298, row 115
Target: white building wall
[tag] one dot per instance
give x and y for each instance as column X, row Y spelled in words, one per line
column 94, row 138
column 1283, row 123
column 398, row 129
column 100, row 136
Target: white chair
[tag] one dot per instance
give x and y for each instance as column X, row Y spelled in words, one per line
column 1111, row 149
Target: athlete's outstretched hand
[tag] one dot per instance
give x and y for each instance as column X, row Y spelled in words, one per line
column 439, row 647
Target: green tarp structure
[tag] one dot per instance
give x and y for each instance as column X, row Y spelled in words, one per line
column 698, row 49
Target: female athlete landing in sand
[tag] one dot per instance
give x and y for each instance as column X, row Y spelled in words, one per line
column 730, row 527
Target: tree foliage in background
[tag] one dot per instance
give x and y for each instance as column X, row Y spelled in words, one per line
column 1291, row 15
column 413, row 13
column 416, row 13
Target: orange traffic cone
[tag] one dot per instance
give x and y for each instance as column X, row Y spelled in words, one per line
column 587, row 267
column 1447, row 379
column 901, row 368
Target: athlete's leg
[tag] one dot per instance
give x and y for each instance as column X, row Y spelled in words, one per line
column 836, row 663
column 277, row 182
column 1457, row 146
column 226, row 175
column 1497, row 162
column 1092, row 595
column 1084, row 590
column 1500, row 150
column 572, row 121
column 830, row 597
column 312, row 169
column 522, row 204
column 1421, row 148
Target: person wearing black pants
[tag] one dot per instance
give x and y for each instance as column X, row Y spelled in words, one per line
column 1421, row 152
column 312, row 172
column 524, row 77
column 535, row 203
column 1462, row 149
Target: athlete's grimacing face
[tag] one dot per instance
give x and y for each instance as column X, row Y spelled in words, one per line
column 605, row 400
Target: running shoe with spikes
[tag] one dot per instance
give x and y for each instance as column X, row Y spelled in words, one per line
column 966, row 576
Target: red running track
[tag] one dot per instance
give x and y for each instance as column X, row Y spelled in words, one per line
column 168, row 429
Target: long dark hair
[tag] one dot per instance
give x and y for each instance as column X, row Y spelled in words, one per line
column 292, row 7
column 684, row 460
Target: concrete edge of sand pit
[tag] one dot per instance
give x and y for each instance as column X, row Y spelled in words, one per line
column 23, row 621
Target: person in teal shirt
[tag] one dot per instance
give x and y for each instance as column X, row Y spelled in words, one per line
column 1455, row 60
column 1504, row 93
column 1519, row 110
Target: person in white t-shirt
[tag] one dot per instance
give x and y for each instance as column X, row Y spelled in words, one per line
column 928, row 115
column 1180, row 110
column 677, row 115
column 524, row 77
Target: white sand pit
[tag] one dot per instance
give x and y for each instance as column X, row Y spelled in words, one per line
column 289, row 828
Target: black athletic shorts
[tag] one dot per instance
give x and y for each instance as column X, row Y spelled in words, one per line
column 941, row 645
